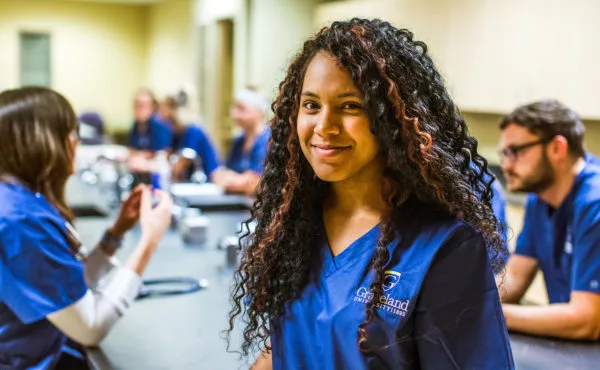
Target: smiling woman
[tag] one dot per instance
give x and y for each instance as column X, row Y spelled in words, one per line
column 333, row 126
column 373, row 254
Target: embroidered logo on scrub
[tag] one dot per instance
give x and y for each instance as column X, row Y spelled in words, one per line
column 385, row 301
column 391, row 280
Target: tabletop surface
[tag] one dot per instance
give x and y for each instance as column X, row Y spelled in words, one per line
column 184, row 332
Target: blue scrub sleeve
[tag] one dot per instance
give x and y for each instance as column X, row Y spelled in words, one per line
column 197, row 140
column 525, row 242
column 44, row 276
column 585, row 273
column 458, row 319
column 164, row 136
column 257, row 164
column 499, row 205
column 235, row 156
column 133, row 138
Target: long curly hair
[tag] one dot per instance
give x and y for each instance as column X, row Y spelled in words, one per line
column 427, row 152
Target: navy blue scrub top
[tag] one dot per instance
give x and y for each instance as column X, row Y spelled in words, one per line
column 158, row 136
column 440, row 308
column 39, row 275
column 252, row 161
column 566, row 241
column 196, row 139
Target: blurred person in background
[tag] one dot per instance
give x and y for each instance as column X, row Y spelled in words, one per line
column 148, row 136
column 543, row 154
column 245, row 162
column 191, row 146
column 55, row 298
column 498, row 206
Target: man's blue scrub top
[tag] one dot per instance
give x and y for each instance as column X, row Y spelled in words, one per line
column 252, row 161
column 566, row 241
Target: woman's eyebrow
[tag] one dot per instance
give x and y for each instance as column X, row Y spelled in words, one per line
column 342, row 95
column 309, row 93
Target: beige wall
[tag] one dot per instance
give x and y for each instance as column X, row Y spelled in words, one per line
column 267, row 33
column 498, row 54
column 278, row 29
column 171, row 58
column 484, row 126
column 207, row 14
column 98, row 51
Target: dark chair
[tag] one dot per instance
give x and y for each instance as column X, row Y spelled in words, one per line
column 91, row 128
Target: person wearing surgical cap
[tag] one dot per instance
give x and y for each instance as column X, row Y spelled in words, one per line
column 245, row 163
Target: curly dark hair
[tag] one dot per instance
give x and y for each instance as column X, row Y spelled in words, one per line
column 427, row 152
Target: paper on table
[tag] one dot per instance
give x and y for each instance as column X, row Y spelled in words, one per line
column 188, row 189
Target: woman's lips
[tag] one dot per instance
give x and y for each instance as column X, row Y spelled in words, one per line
column 328, row 151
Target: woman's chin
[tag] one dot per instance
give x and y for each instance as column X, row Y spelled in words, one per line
column 330, row 176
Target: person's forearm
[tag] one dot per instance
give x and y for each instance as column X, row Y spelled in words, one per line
column 88, row 320
column 221, row 176
column 558, row 320
column 139, row 258
column 509, row 291
column 252, row 181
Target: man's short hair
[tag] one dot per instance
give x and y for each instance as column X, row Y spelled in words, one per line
column 549, row 118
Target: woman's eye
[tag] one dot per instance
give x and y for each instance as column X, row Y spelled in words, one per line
column 309, row 105
column 351, row 106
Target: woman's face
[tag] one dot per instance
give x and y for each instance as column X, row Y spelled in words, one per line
column 333, row 126
column 74, row 143
column 143, row 107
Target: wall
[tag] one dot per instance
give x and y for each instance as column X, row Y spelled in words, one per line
column 98, row 51
column 207, row 15
column 498, row 54
column 484, row 126
column 266, row 34
column 171, row 54
column 278, row 29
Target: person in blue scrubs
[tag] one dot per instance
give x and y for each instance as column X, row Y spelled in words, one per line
column 499, row 208
column 51, row 302
column 375, row 244
column 245, row 163
column 148, row 136
column 191, row 145
column 498, row 205
column 543, row 154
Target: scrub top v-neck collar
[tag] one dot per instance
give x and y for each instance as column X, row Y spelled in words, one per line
column 349, row 255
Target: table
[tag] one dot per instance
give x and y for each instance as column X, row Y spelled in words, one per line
column 533, row 353
column 183, row 332
column 177, row 332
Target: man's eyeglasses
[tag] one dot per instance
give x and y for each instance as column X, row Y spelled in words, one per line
column 512, row 152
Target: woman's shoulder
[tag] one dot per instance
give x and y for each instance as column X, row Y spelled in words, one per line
column 13, row 202
column 20, row 207
column 195, row 127
column 426, row 236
